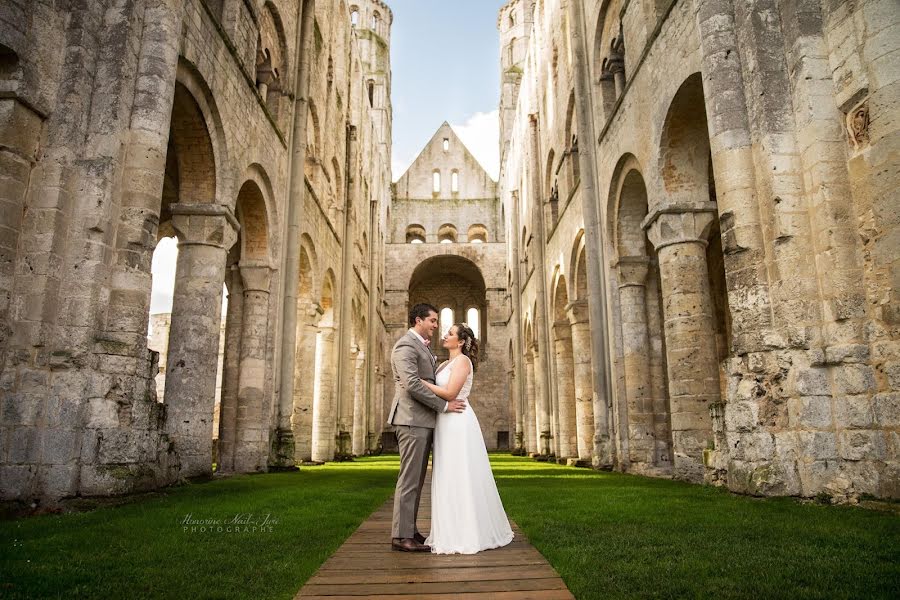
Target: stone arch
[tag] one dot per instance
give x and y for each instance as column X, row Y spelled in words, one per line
column 477, row 233
column 450, row 281
column 551, row 189
column 609, row 50
column 687, row 180
column 645, row 406
column 578, row 268
column 192, row 82
column 415, row 234
column 197, row 173
column 253, row 217
column 684, row 157
column 447, row 233
column 567, row 440
column 272, row 62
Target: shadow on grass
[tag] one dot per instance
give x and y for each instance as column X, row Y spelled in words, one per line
column 248, row 536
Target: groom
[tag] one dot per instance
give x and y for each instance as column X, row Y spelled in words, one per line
column 413, row 416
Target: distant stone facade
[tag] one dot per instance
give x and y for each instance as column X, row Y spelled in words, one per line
column 701, row 203
column 257, row 133
column 447, row 247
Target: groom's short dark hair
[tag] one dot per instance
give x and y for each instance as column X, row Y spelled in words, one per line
column 420, row 311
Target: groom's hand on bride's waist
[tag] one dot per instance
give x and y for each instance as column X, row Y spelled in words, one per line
column 457, row 406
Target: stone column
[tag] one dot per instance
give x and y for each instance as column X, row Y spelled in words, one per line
column 632, row 277
column 565, row 381
column 581, row 373
column 228, row 410
column 359, row 405
column 324, row 405
column 252, row 450
column 304, row 380
column 529, row 421
column 543, row 435
column 205, row 234
column 679, row 235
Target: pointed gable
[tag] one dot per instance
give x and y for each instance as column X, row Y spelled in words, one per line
column 443, row 160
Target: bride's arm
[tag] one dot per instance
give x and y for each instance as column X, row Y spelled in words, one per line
column 457, row 380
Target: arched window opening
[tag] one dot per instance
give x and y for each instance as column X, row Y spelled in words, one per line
column 511, row 52
column 376, row 21
column 477, row 234
column 454, row 182
column 446, row 320
column 354, row 16
column 436, row 182
column 446, row 144
column 415, row 234
column 473, row 320
column 371, row 88
column 447, row 234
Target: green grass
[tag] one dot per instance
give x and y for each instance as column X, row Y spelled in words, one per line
column 611, row 535
column 140, row 550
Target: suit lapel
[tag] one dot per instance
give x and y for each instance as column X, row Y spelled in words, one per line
column 423, row 348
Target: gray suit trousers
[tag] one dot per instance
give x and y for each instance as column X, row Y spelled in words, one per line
column 415, row 446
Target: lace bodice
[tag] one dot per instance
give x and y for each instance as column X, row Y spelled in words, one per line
column 443, row 378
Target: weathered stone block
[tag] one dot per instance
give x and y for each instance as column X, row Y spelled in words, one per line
column 813, row 382
column 862, row 444
column 853, row 379
column 887, row 409
column 810, row 412
column 741, row 416
column 847, row 353
column 17, row 481
column 61, row 446
column 818, row 445
column 103, row 413
column 853, row 412
column 892, row 373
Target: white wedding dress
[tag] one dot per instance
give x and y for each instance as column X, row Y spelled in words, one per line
column 467, row 514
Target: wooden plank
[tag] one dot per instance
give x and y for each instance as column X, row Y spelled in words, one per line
column 441, row 587
column 435, row 575
column 524, row 595
column 365, row 566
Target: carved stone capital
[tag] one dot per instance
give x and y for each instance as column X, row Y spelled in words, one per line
column 256, row 276
column 680, row 224
column 205, row 225
column 632, row 271
column 577, row 312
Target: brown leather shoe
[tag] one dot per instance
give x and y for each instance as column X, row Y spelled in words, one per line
column 419, row 537
column 409, row 545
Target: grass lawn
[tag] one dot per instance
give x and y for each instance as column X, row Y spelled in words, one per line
column 140, row 550
column 611, row 535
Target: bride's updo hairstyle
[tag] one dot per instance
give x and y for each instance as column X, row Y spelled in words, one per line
column 469, row 345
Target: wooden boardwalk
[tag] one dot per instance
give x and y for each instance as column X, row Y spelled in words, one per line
column 366, row 567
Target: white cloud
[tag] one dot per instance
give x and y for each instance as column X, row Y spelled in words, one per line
column 481, row 135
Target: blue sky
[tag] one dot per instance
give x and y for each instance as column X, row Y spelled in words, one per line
column 445, row 62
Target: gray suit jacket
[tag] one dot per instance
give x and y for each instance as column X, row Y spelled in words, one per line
column 414, row 404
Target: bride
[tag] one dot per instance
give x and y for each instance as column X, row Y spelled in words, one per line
column 467, row 514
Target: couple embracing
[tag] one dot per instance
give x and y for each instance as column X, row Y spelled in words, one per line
column 430, row 409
